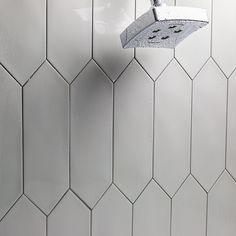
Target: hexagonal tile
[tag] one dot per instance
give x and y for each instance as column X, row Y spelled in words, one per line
column 172, row 127
column 24, row 219
column 110, row 19
column 70, row 40
column 194, row 51
column 133, row 132
column 91, row 134
column 222, row 208
column 154, row 60
column 46, row 137
column 152, row 212
column 209, row 124
column 113, row 215
column 10, row 141
column 22, row 27
column 223, row 44
column 70, row 217
column 189, row 210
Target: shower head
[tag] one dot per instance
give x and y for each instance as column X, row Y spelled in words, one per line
column 163, row 26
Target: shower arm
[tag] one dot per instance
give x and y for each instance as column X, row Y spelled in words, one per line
column 156, row 3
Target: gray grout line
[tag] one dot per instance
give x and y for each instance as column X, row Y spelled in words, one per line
column 199, row 183
column 118, row 188
column 213, row 185
column 201, row 68
column 35, row 205
column 46, row 225
column 207, row 200
column 158, row 184
column 140, row 194
column 135, row 17
column 91, row 222
column 22, row 141
column 80, row 199
column 191, row 129
column 113, row 134
column 92, row 30
column 181, row 185
column 171, row 215
column 234, row 179
column 69, row 137
column 226, row 123
column 132, row 220
column 46, row 33
column 211, row 25
column 216, row 63
column 183, row 68
column 153, row 129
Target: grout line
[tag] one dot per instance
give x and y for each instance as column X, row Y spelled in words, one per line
column 212, row 7
column 46, row 34
column 153, row 129
column 118, row 188
column 92, row 33
column 213, row 185
column 132, row 220
column 167, row 194
column 46, row 225
column 200, row 70
column 234, row 179
column 191, row 128
column 182, row 68
column 22, row 141
column 199, row 183
column 69, row 136
column 35, row 205
column 80, row 199
column 140, row 194
column 113, row 133
column 207, row 214
column 171, row 215
column 219, row 67
column 135, row 17
column 181, row 185
column 226, row 125
column 91, row 222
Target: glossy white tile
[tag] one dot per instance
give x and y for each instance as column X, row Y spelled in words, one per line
column 222, row 207
column 209, row 124
column 46, row 137
column 69, row 35
column 113, row 215
column 24, row 219
column 22, row 41
column 133, row 135
column 70, row 217
column 10, row 141
column 91, row 134
column 189, row 210
column 110, row 19
column 172, row 127
column 152, row 212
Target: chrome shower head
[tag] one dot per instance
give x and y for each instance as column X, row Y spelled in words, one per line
column 163, row 26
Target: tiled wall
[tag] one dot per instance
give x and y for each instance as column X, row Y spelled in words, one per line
column 100, row 141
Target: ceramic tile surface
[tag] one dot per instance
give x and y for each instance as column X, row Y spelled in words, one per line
column 10, row 141
column 133, row 162
column 46, row 137
column 172, row 127
column 22, row 26
column 69, row 49
column 91, row 134
column 209, row 124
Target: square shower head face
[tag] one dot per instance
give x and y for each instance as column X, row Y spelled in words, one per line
column 163, row 27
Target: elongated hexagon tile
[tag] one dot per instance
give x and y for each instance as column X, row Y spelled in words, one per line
column 209, row 124
column 69, row 35
column 10, row 141
column 224, row 35
column 222, row 207
column 113, row 215
column 70, row 217
column 194, row 51
column 231, row 142
column 133, row 135
column 152, row 212
column 22, row 25
column 91, row 134
column 46, row 137
column 172, row 127
column 110, row 19
column 154, row 60
column 189, row 210
column 24, row 219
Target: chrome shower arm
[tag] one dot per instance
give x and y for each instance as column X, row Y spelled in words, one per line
column 156, row 3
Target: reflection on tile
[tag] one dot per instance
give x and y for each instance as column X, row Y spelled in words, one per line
column 172, row 127
column 192, row 53
column 209, row 124
column 152, row 212
column 70, row 217
column 224, row 35
column 133, row 130
column 110, row 19
column 22, row 26
column 10, row 141
column 113, row 215
column 222, row 208
column 69, row 37
column 24, row 219
column 189, row 210
column 91, row 130
column 46, row 137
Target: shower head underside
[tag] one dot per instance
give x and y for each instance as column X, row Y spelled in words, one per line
column 163, row 27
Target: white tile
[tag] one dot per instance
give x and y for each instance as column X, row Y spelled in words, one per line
column 154, row 60
column 172, row 127
column 189, row 210
column 69, row 35
column 70, row 217
column 91, row 134
column 133, row 130
column 22, row 27
column 46, row 137
column 209, row 124
column 24, row 219
column 10, row 141
column 224, row 35
column 112, row 216
column 222, row 208
column 152, row 212
column 110, row 19
column 194, row 51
